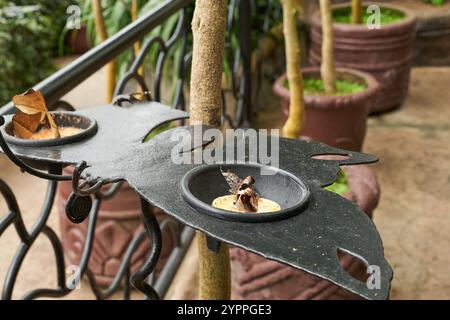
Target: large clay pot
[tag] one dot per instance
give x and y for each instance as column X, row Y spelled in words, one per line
column 339, row 121
column 257, row 278
column 119, row 219
column 386, row 53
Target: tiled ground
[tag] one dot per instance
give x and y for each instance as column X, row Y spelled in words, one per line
column 413, row 144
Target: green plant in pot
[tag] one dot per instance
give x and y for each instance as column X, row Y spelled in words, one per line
column 330, row 96
column 377, row 38
column 336, row 99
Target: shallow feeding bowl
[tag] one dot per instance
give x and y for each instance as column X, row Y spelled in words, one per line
column 63, row 119
column 201, row 185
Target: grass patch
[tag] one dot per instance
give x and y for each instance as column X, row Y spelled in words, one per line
column 344, row 15
column 341, row 185
column 316, row 87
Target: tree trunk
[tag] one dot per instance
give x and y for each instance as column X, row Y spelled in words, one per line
column 328, row 70
column 102, row 34
column 356, row 11
column 208, row 29
column 294, row 123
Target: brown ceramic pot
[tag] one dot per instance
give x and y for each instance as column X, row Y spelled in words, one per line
column 119, row 219
column 257, row 278
column 386, row 53
column 339, row 121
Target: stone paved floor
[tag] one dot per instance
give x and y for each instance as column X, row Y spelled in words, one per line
column 413, row 144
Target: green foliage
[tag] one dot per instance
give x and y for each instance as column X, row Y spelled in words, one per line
column 29, row 30
column 54, row 12
column 314, row 87
column 117, row 15
column 341, row 185
column 344, row 15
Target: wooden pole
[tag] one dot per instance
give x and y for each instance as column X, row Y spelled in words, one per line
column 208, row 29
column 328, row 70
column 356, row 11
column 295, row 121
column 102, row 34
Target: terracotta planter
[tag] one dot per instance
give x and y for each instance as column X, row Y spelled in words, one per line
column 118, row 221
column 386, row 53
column 339, row 121
column 257, row 278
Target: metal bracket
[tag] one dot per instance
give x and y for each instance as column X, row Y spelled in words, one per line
column 213, row 244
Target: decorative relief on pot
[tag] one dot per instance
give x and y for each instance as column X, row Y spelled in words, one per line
column 111, row 239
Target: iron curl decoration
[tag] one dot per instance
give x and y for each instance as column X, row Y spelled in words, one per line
column 80, row 189
column 178, row 35
column 138, row 278
column 131, row 98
